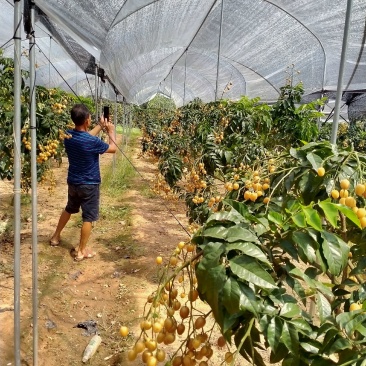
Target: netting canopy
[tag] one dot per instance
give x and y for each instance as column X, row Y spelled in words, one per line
column 210, row 49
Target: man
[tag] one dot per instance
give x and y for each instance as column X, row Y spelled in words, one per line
column 83, row 150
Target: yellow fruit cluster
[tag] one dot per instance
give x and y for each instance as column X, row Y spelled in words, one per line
column 47, row 150
column 62, row 135
column 58, row 108
column 256, row 187
column 27, row 143
column 193, row 180
column 346, row 199
column 219, row 136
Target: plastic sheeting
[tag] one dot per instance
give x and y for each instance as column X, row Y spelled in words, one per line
column 172, row 46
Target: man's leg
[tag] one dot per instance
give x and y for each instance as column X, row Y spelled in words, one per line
column 84, row 237
column 64, row 218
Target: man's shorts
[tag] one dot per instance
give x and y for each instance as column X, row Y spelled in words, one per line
column 85, row 196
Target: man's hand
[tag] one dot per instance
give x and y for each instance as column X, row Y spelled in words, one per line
column 109, row 128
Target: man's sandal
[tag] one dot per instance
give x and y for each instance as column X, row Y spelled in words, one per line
column 88, row 254
column 54, row 243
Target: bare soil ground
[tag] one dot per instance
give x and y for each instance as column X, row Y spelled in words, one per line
column 110, row 288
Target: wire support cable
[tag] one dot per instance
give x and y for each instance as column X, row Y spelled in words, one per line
column 59, row 73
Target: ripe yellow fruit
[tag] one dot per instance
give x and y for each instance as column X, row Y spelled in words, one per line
column 350, row 202
column 159, row 260
column 151, row 345
column 123, row 331
column 360, row 189
column 343, row 193
column 345, row 183
column 193, row 295
column 181, row 244
column 177, row 361
column 247, row 195
column 342, row 201
column 152, row 361
column 160, row 355
column 173, row 261
column 321, row 171
column 221, row 341
column 131, row 355
column 236, row 186
column 253, row 196
column 335, row 194
column 157, row 327
column 190, row 248
column 265, row 186
column 355, row 306
column 228, row 357
column 139, row 347
column 184, row 312
column 200, row 322
column 361, row 212
column 363, row 222
column 265, row 200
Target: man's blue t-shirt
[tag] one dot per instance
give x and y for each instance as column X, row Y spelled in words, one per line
column 83, row 150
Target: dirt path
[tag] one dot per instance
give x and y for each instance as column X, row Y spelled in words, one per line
column 110, row 289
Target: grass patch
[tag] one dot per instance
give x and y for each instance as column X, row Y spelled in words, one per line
column 148, row 193
column 116, row 213
column 117, row 178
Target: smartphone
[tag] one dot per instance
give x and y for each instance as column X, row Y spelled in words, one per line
column 106, row 112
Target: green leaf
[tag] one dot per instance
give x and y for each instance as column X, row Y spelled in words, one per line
column 335, row 251
column 346, row 211
column 215, row 232
column 275, row 217
column 250, row 270
column 231, row 295
column 299, row 219
column 330, row 211
column 274, row 332
column 315, row 160
column 210, row 283
column 290, row 338
column 239, row 207
column 312, row 218
column 225, row 216
column 340, row 344
column 290, row 248
column 290, row 310
column 354, row 324
column 324, row 307
column 302, row 326
column 306, row 243
column 313, row 284
column 238, row 232
column 249, row 249
column 311, row 347
column 248, row 300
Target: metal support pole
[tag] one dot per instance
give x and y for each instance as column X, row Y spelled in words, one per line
column 77, row 81
column 219, row 50
column 171, row 84
column 333, row 138
column 115, row 132
column 32, row 80
column 185, row 78
column 18, row 6
column 96, row 94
